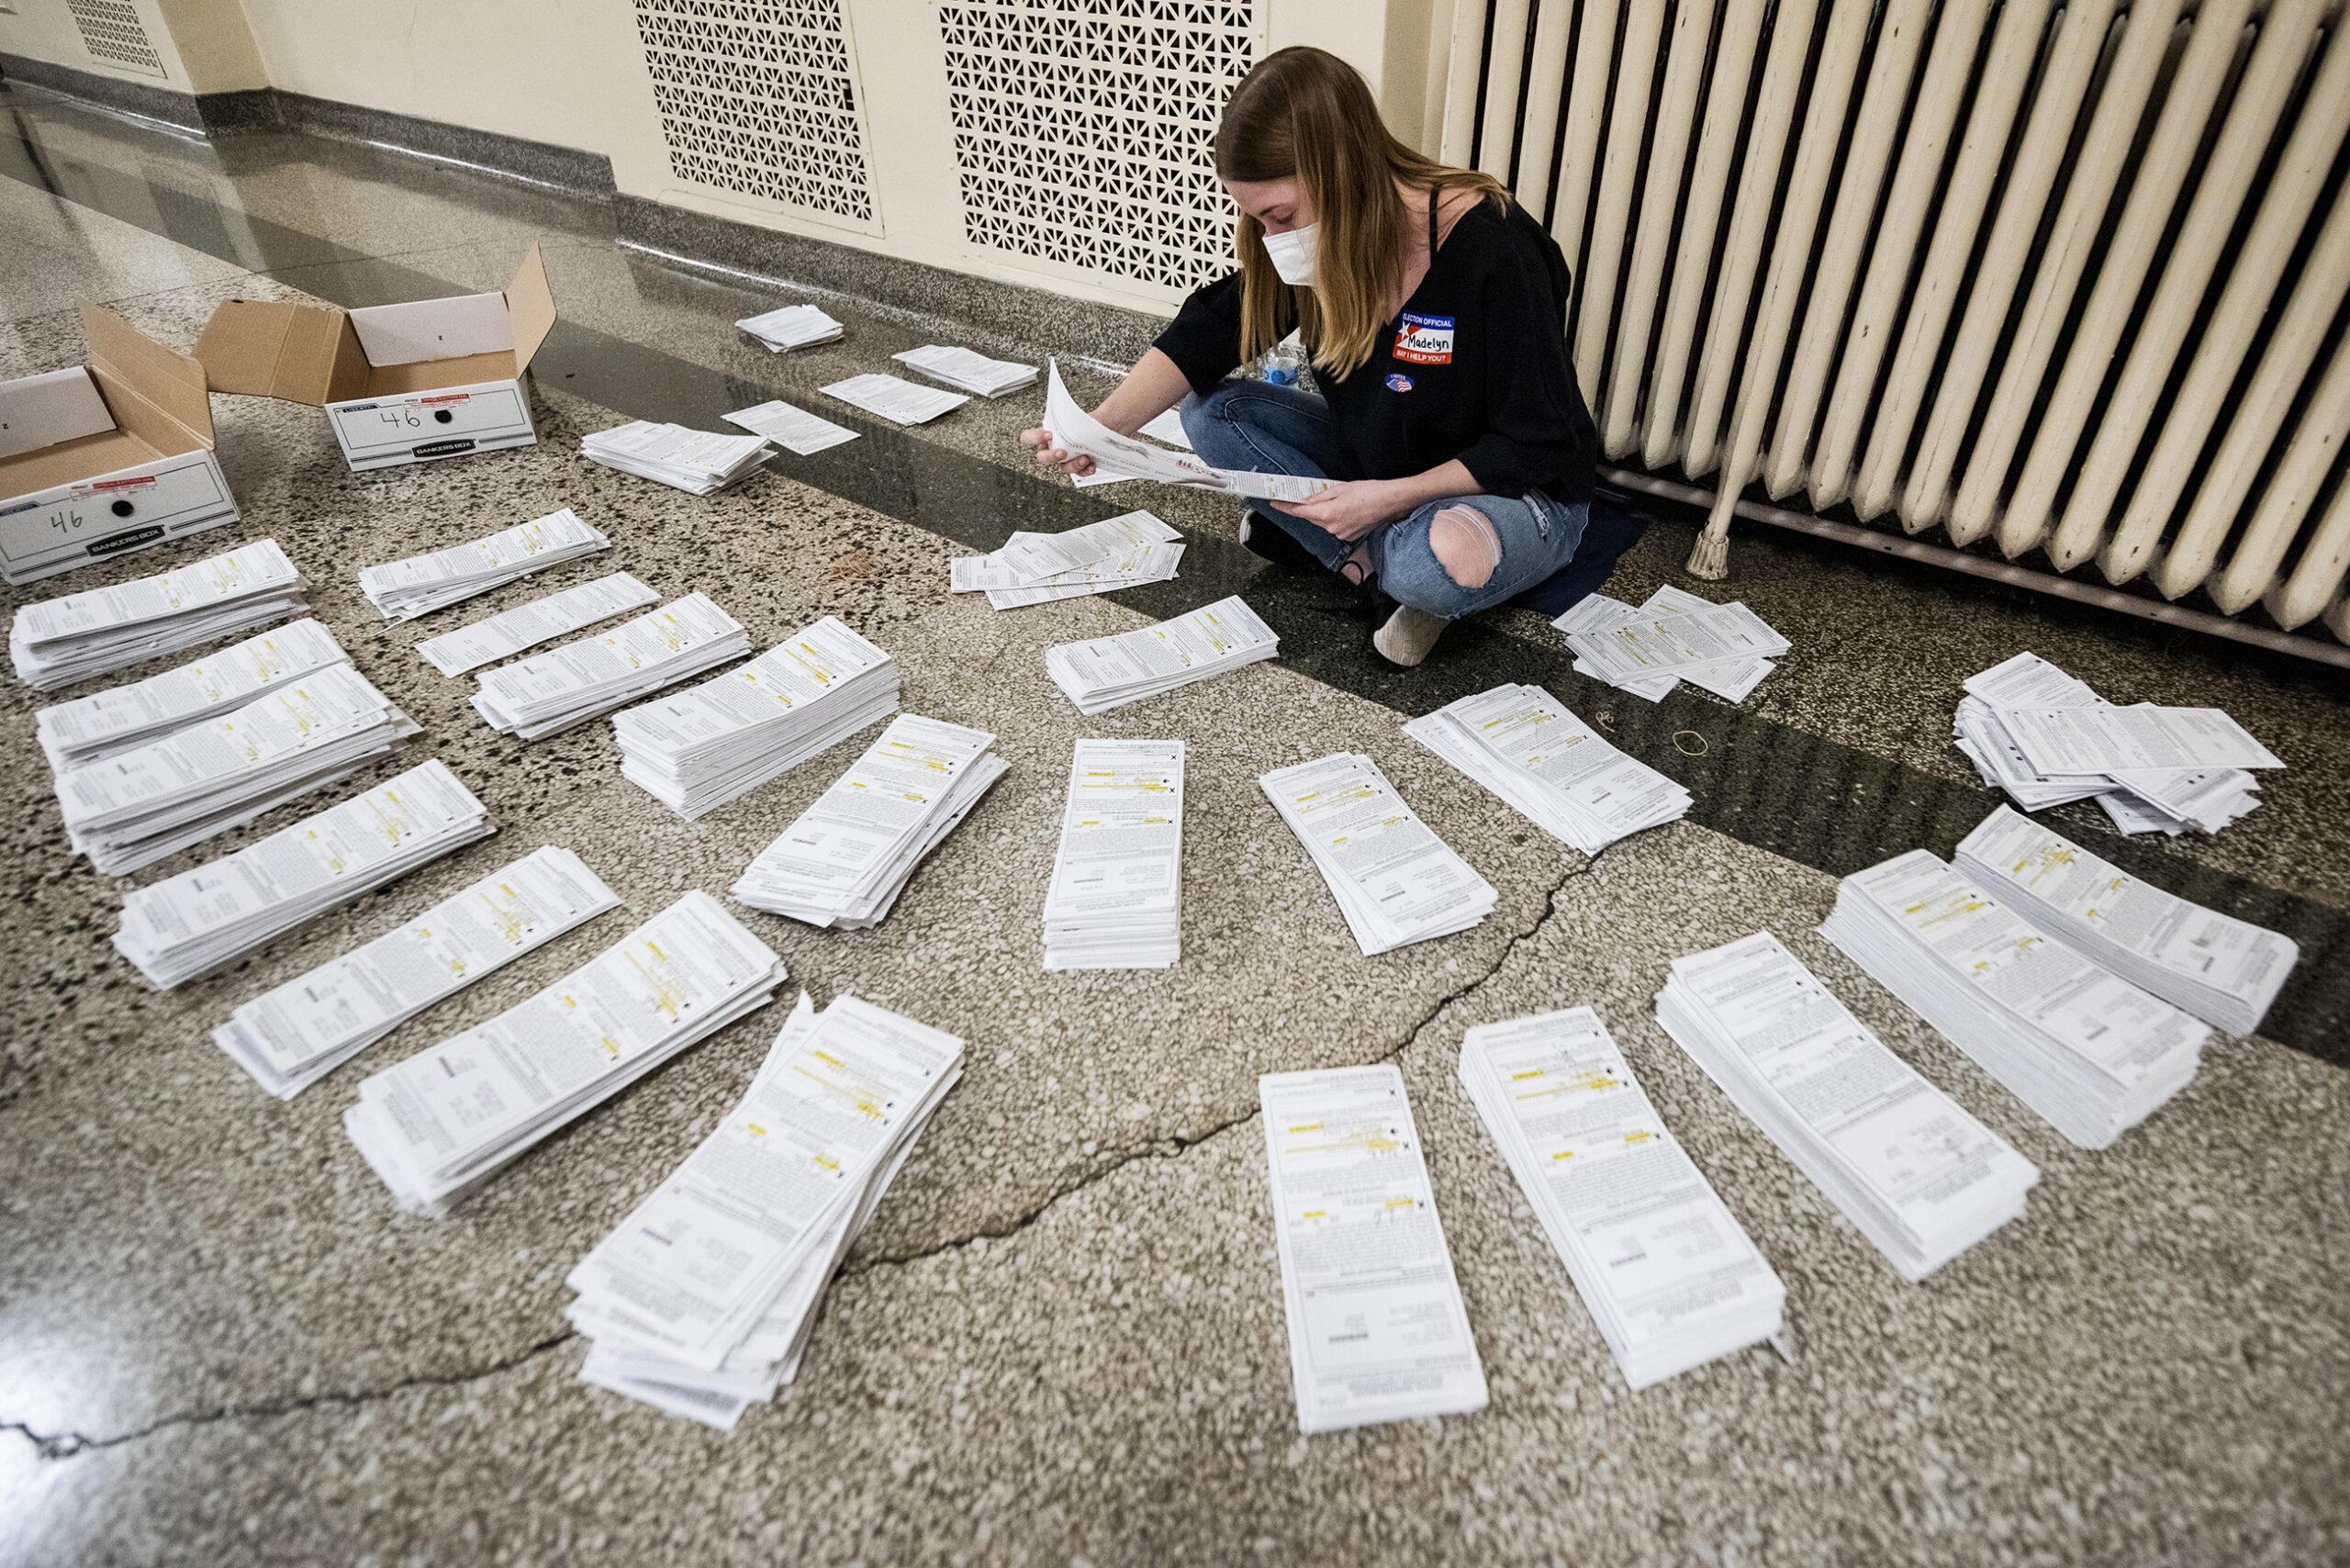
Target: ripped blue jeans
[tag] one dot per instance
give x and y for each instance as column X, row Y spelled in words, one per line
column 1278, row 430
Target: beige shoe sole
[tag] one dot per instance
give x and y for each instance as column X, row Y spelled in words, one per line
column 1408, row 636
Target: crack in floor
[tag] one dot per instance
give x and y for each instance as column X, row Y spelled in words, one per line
column 1176, row 1145
column 67, row 1445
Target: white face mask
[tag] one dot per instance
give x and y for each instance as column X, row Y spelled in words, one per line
column 1292, row 254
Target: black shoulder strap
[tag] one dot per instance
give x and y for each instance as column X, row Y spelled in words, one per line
column 1434, row 191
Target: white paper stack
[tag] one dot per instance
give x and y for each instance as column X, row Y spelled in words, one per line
column 702, row 1302
column 402, row 590
column 2224, row 971
column 968, row 372
column 1525, row 747
column 59, row 641
column 700, row 463
column 124, row 718
column 847, row 859
column 192, row 924
column 1116, row 899
column 1723, row 648
column 1376, row 1328
column 793, row 327
column 697, row 750
column 527, row 625
column 2152, row 769
column 552, row 691
column 291, row 1038
column 796, row 430
column 1396, row 881
column 1110, row 672
column 133, row 809
column 440, row 1124
column 1037, row 568
column 2090, row 1052
column 1921, row 1178
column 900, row 402
column 1667, row 1271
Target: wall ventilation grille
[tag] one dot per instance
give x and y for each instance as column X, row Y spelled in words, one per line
column 112, row 31
column 1083, row 129
column 760, row 98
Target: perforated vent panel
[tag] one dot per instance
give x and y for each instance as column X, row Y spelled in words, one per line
column 111, row 30
column 1084, row 129
column 760, row 98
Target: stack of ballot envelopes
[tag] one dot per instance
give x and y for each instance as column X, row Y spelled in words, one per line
column 57, row 641
column 124, row 718
column 700, row 463
column 1396, row 881
column 1110, row 672
column 402, row 590
column 1116, row 898
column 1100, row 557
column 1525, row 747
column 550, row 692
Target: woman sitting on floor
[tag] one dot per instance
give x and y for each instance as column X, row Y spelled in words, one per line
column 1460, row 452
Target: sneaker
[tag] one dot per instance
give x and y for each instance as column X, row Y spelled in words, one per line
column 1408, row 637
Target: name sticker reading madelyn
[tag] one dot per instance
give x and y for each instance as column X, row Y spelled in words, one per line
column 1424, row 339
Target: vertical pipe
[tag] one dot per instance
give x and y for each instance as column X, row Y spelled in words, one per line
column 1462, row 75
column 2250, row 295
column 1542, row 93
column 2072, row 66
column 1743, row 263
column 2015, row 46
column 1823, row 131
column 1684, row 77
column 2291, row 491
column 1874, row 144
column 1505, row 72
column 1957, row 40
column 1579, row 156
column 2160, row 181
column 1635, row 72
column 2285, row 41
column 2268, row 400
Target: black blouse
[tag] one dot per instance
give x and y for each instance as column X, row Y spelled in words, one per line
column 1475, row 367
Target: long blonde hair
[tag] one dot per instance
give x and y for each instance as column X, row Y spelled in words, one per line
column 1306, row 115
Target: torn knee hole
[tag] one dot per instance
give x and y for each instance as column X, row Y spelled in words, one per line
column 1465, row 546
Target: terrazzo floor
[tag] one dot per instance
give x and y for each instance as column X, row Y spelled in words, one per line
column 1061, row 1340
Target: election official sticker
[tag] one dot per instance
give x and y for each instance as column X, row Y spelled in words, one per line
column 1424, row 339
column 1399, row 384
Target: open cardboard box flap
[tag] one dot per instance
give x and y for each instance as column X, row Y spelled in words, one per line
column 156, row 395
column 310, row 353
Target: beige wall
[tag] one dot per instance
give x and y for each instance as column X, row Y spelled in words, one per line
column 44, row 29
column 572, row 73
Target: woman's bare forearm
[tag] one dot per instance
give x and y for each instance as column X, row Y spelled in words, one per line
column 1150, row 388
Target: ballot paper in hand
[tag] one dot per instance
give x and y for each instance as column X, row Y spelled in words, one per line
column 550, row 692
column 2090, row 1052
column 701, row 1300
column 2223, row 970
column 402, row 590
column 793, row 327
column 795, row 429
column 1116, row 898
column 1377, row 1331
column 1396, row 881
column 1036, row 568
column 290, row 1037
column 124, row 718
column 59, row 641
column 527, row 625
column 1723, row 648
column 846, row 859
column 700, row 463
column 696, row 750
column 900, row 402
column 192, row 924
column 1525, row 747
column 1668, row 1273
column 1921, row 1178
column 2168, row 801
column 134, row 808
column 968, row 372
column 1081, row 435
column 439, row 1126
column 1110, row 672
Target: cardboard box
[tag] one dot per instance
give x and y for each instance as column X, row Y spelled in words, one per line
column 399, row 382
column 108, row 457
